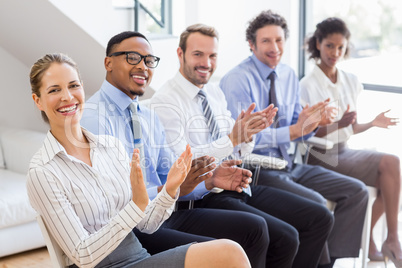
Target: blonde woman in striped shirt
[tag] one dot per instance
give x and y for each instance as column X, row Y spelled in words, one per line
column 83, row 187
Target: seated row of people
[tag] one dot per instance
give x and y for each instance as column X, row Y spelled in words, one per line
column 186, row 149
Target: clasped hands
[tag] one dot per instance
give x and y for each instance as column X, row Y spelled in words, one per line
column 226, row 176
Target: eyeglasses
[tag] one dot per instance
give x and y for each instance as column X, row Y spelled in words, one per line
column 135, row 58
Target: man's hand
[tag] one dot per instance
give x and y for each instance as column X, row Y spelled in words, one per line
column 270, row 113
column 247, row 123
column 309, row 119
column 138, row 188
column 178, row 172
column 229, row 177
column 201, row 169
column 329, row 115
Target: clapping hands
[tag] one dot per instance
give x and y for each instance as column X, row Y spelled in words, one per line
column 178, row 172
column 138, row 188
column 229, row 177
column 248, row 123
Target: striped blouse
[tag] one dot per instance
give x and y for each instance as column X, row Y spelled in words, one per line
column 88, row 209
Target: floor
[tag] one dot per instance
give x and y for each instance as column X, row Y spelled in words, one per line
column 39, row 258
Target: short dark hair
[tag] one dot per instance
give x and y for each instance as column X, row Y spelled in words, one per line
column 118, row 38
column 323, row 29
column 196, row 28
column 263, row 19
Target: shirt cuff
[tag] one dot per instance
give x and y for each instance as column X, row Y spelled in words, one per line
column 247, row 148
column 131, row 215
column 199, row 191
column 166, row 196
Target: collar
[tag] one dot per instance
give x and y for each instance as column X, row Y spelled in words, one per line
column 186, row 86
column 263, row 69
column 52, row 146
column 119, row 98
column 324, row 78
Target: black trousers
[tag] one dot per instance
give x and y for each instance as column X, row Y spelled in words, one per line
column 291, row 220
column 317, row 184
column 203, row 224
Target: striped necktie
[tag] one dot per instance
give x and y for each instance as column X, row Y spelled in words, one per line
column 212, row 125
column 137, row 134
column 276, row 124
column 209, row 116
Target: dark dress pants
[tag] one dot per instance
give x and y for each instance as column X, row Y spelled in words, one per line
column 317, row 183
column 202, row 224
column 290, row 219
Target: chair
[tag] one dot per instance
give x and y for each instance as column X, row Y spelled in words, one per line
column 55, row 252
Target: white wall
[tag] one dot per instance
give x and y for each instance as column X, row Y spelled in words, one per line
column 231, row 19
column 97, row 17
column 17, row 108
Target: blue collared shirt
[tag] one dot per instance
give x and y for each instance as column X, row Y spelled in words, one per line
column 107, row 112
column 247, row 83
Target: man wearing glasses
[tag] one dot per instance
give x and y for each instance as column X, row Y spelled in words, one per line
column 129, row 67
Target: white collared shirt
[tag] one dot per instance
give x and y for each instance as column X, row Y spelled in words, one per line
column 316, row 87
column 180, row 111
column 88, row 209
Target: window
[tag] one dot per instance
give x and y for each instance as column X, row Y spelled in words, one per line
column 152, row 17
column 376, row 28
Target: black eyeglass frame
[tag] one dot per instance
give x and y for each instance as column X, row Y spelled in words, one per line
column 142, row 57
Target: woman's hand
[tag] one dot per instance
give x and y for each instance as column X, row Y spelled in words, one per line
column 178, row 172
column 348, row 118
column 140, row 194
column 383, row 121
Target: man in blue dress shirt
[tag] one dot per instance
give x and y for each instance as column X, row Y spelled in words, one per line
column 263, row 79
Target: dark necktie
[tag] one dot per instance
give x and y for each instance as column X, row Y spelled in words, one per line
column 273, row 99
column 209, row 116
column 137, row 134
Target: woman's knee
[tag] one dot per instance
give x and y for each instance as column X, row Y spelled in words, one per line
column 217, row 253
column 235, row 255
column 390, row 163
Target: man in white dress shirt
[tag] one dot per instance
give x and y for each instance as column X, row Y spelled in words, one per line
column 181, row 108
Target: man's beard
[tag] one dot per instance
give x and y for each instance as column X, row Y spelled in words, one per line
column 139, row 94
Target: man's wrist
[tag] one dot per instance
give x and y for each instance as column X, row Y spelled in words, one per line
column 160, row 188
column 294, row 132
column 209, row 185
column 232, row 140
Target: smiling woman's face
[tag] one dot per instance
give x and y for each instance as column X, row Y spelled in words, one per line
column 61, row 95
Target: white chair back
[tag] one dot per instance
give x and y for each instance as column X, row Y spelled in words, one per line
column 55, row 252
